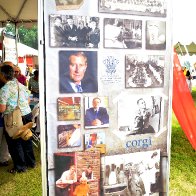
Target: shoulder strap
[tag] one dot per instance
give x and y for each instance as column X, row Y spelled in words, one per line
column 18, row 94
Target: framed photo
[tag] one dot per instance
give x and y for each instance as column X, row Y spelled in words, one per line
column 123, row 173
column 70, row 31
column 69, row 136
column 143, row 115
column 68, row 4
column 142, row 7
column 74, row 80
column 155, row 35
column 95, row 141
column 122, row 33
column 69, row 108
column 75, row 171
column 96, row 112
column 145, row 71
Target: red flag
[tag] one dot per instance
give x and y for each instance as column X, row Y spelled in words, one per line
column 183, row 104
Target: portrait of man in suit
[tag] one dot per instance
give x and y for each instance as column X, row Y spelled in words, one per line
column 96, row 115
column 78, row 72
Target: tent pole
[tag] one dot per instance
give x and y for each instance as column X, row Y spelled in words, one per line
column 16, row 41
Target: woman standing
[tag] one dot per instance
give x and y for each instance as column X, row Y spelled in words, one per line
column 20, row 150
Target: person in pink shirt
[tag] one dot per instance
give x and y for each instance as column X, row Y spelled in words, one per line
column 19, row 76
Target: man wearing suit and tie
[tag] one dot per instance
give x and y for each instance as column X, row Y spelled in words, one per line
column 96, row 115
column 74, row 81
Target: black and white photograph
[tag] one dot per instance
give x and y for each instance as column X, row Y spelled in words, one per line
column 96, row 112
column 144, row 71
column 155, row 35
column 78, row 72
column 69, row 135
column 122, row 33
column 143, row 114
column 68, row 4
column 69, row 31
column 143, row 7
column 132, row 174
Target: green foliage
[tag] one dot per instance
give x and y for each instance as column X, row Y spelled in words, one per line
column 27, row 36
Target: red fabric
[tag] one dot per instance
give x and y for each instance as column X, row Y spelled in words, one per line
column 183, row 104
column 29, row 60
column 20, row 60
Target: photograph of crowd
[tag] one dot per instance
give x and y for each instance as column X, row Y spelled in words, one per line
column 143, row 114
column 69, row 136
column 139, row 7
column 74, row 31
column 69, row 108
column 155, row 35
column 122, row 33
column 144, row 71
column 132, row 174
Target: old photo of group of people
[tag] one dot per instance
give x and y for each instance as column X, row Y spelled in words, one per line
column 132, row 174
column 71, row 31
column 141, row 7
column 84, row 119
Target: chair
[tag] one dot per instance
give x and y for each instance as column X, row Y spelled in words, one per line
column 36, row 126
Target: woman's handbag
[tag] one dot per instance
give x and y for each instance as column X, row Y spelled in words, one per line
column 13, row 121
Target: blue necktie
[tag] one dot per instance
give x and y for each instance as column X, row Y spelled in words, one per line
column 79, row 88
column 95, row 114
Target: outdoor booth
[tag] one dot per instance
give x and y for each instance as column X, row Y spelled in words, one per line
column 108, row 88
column 106, row 96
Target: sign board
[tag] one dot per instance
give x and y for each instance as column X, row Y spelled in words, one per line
column 108, row 73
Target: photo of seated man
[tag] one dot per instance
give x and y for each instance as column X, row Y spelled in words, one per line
column 67, row 178
column 97, row 114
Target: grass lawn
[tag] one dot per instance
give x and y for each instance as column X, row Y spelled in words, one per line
column 183, row 161
column 182, row 170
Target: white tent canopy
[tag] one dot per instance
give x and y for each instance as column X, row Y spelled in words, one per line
column 18, row 11
column 24, row 50
column 184, row 15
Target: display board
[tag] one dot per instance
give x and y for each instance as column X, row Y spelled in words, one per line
column 108, row 73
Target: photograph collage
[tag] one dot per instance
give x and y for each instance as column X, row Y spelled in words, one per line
column 110, row 129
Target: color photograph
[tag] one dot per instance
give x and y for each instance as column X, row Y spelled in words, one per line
column 69, row 136
column 78, row 72
column 95, row 141
column 77, row 173
column 96, row 112
column 69, row 108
